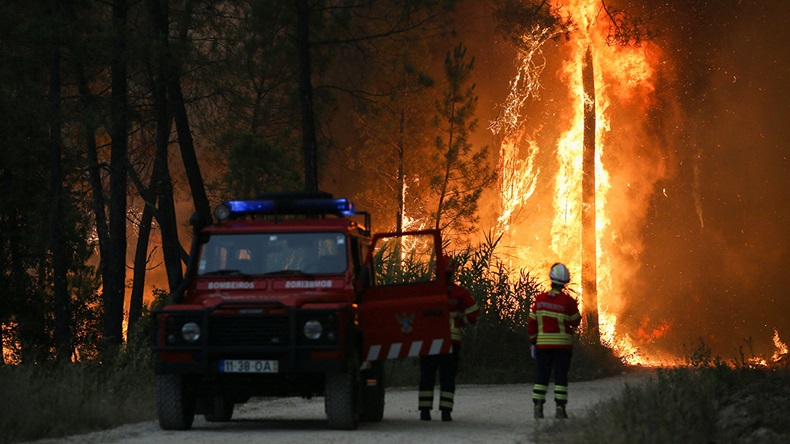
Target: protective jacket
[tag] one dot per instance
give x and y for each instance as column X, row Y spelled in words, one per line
column 553, row 319
column 463, row 310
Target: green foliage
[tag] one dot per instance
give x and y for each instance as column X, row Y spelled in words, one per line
column 43, row 401
column 704, row 401
column 255, row 165
column 394, row 125
column 398, row 264
column 496, row 350
column 462, row 172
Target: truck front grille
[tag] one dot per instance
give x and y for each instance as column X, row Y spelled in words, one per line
column 248, row 330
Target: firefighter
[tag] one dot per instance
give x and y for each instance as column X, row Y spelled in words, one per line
column 553, row 319
column 463, row 312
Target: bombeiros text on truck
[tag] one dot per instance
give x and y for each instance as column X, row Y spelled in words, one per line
column 290, row 295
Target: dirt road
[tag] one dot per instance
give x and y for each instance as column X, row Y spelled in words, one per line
column 485, row 414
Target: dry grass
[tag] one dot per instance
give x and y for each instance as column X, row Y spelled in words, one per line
column 696, row 404
column 55, row 401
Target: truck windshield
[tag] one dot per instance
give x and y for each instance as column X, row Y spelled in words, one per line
column 273, row 253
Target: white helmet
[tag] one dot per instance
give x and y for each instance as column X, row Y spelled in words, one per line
column 559, row 274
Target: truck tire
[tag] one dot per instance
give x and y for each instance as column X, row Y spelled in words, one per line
column 175, row 404
column 372, row 393
column 223, row 410
column 341, row 398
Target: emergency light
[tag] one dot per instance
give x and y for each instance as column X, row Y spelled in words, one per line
column 236, row 208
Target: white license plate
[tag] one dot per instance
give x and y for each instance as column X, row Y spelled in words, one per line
column 248, row 366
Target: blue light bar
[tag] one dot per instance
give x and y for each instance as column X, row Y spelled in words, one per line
column 290, row 206
column 250, row 206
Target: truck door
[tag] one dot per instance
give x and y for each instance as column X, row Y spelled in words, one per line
column 405, row 310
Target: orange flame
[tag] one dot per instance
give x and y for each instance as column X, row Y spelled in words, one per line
column 623, row 73
column 781, row 348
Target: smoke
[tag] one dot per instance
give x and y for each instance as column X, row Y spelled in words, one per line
column 715, row 242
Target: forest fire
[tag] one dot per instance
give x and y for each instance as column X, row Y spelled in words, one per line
column 621, row 73
column 684, row 160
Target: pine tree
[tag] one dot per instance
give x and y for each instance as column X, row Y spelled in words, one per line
column 461, row 172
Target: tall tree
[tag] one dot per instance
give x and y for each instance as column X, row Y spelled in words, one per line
column 309, row 141
column 24, row 205
column 340, row 33
column 115, row 281
column 160, row 193
column 396, row 121
column 462, row 172
column 61, row 300
column 529, row 24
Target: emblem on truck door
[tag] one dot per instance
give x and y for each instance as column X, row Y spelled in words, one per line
column 405, row 321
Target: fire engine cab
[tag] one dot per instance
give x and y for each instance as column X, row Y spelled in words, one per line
column 290, row 295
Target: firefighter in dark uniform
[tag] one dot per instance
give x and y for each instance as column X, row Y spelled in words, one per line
column 553, row 319
column 463, row 312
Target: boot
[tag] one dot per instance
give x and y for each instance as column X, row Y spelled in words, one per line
column 446, row 416
column 425, row 415
column 538, row 410
column 561, row 413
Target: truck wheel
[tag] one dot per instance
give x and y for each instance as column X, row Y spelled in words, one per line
column 341, row 398
column 175, row 404
column 372, row 388
column 223, row 410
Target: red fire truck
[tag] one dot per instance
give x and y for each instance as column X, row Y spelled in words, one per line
column 290, row 295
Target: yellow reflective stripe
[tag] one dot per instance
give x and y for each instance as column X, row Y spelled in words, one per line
column 425, row 394
column 554, row 314
column 568, row 342
column 447, row 395
column 555, row 336
column 560, row 317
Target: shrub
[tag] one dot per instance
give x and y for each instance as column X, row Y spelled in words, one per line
column 705, row 401
column 54, row 401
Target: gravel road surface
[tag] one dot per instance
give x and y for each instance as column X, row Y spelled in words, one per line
column 484, row 414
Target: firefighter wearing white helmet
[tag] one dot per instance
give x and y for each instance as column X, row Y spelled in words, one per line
column 553, row 320
column 559, row 274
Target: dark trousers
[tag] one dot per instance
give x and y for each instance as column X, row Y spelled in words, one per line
column 447, row 365
column 558, row 360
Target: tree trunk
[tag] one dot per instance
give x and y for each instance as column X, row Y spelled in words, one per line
column 170, row 69
column 114, row 285
column 589, row 243
column 188, row 156
column 449, row 161
column 309, row 141
column 161, row 180
column 62, row 301
column 401, row 172
column 140, row 266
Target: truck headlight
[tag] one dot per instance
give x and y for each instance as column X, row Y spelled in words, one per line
column 313, row 329
column 190, row 332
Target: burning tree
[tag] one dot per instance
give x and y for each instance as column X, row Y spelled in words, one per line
column 530, row 24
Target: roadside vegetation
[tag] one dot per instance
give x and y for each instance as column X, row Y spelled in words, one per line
column 707, row 400
column 56, row 399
